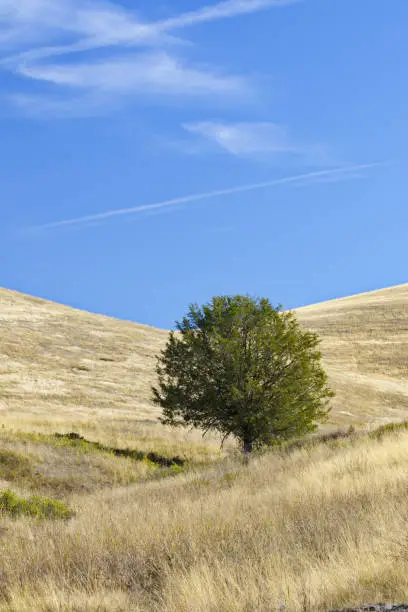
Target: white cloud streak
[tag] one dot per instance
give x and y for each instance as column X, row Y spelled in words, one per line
column 77, row 26
column 107, row 23
column 344, row 172
column 222, row 10
column 263, row 141
column 92, row 26
column 141, row 73
column 74, row 106
column 244, row 138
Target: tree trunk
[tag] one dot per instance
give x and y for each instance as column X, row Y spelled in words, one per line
column 248, row 447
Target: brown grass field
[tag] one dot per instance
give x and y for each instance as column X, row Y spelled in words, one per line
column 305, row 528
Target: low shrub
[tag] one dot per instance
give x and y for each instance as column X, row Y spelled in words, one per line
column 35, row 506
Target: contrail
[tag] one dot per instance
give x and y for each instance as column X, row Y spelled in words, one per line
column 206, row 196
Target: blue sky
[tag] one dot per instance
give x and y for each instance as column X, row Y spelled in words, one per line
column 157, row 154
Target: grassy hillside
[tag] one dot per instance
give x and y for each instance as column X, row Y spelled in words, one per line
column 131, row 516
column 59, row 362
column 305, row 529
column 365, row 348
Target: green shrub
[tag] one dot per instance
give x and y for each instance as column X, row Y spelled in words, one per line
column 35, row 506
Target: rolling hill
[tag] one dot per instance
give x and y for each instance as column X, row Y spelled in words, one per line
column 311, row 527
column 365, row 349
column 57, row 360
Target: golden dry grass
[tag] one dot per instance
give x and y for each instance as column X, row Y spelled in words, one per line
column 57, row 360
column 365, row 349
column 308, row 529
column 63, row 370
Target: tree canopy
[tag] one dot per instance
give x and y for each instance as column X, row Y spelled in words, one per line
column 244, row 368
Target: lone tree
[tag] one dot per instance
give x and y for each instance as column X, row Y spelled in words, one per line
column 244, row 368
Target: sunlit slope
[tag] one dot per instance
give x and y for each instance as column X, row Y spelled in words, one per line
column 365, row 348
column 57, row 362
column 54, row 360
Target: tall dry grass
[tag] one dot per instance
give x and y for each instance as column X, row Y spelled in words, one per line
column 315, row 528
column 306, row 530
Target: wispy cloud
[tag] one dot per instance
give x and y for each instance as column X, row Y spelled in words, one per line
column 69, row 26
column 222, row 10
column 344, row 173
column 139, row 73
column 260, row 140
column 75, row 106
column 107, row 23
column 43, row 35
column 243, row 138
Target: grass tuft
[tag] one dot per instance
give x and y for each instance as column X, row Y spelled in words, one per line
column 388, row 429
column 35, row 506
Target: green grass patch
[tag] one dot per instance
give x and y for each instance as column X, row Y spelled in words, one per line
column 346, row 437
column 78, row 442
column 163, row 472
column 75, row 440
column 35, row 507
column 19, row 469
column 388, row 429
column 14, row 466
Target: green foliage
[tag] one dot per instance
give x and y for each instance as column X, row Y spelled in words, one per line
column 244, row 368
column 35, row 506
